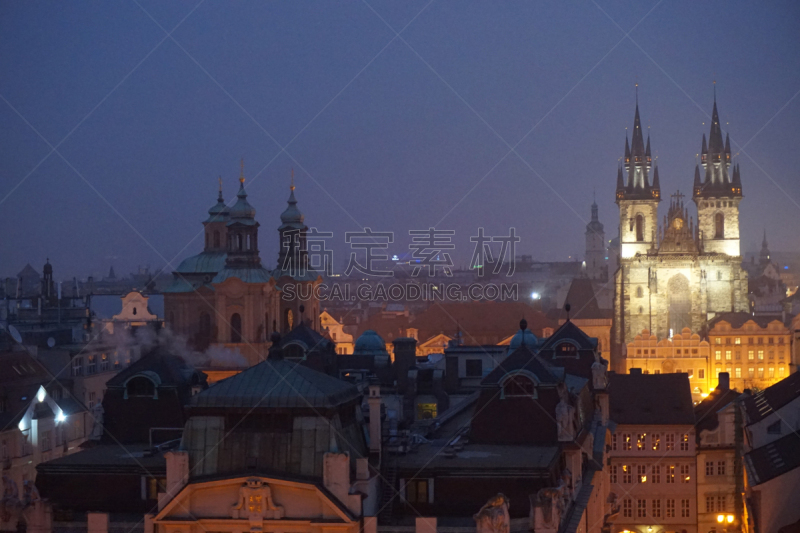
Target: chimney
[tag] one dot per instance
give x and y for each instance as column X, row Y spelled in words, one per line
column 724, row 382
column 635, row 371
column 177, row 475
column 374, row 401
column 405, row 357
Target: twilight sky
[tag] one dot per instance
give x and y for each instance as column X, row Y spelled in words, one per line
column 393, row 133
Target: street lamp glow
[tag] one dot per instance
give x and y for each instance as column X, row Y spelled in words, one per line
column 60, row 417
column 535, row 295
column 40, row 395
column 720, row 518
column 729, row 518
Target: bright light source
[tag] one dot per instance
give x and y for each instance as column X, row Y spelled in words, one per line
column 40, row 395
column 60, row 417
column 730, row 518
column 535, row 295
column 21, row 425
column 704, row 395
column 720, row 518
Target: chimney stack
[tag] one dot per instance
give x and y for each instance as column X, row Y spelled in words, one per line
column 724, row 382
column 635, row 372
column 374, row 401
column 405, row 357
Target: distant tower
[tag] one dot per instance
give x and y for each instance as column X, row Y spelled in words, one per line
column 718, row 193
column 637, row 198
column 763, row 257
column 48, row 286
column 242, row 232
column 595, row 257
column 216, row 224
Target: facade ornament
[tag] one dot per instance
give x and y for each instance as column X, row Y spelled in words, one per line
column 599, row 378
column 565, row 416
column 550, row 504
column 97, row 427
column 255, row 503
column 493, row 516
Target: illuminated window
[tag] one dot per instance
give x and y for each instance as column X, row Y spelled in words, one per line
column 751, row 372
column 685, row 475
column 671, row 474
column 738, row 340
column 626, row 473
column 761, row 372
column 685, row 442
column 670, row 441
column 426, row 411
column 771, row 372
column 718, row 340
column 626, row 441
column 655, row 439
column 781, row 372
column 727, row 355
column 718, row 355
column 750, row 355
column 417, row 491
column 640, row 441
column 738, row 372
column 641, row 473
column 656, row 477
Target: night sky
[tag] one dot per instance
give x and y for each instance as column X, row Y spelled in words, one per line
column 394, row 133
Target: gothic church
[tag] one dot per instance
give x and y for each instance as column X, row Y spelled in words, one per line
column 677, row 274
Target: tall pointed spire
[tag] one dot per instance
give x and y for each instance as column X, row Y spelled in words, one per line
column 647, row 150
column 627, row 149
column 704, row 150
column 637, row 142
column 620, row 179
column 656, row 182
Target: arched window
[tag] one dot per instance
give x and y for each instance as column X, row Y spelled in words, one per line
column 639, row 292
column 639, row 228
column 216, row 239
column 140, row 387
column 249, row 244
column 239, row 242
column 719, row 226
column 519, row 386
column 294, row 352
column 288, row 320
column 236, row 328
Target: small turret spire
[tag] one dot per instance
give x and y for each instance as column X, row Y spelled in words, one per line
column 291, row 187
column 241, row 172
column 219, row 198
column 656, row 182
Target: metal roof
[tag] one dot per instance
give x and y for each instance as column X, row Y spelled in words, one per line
column 204, row 262
column 277, row 384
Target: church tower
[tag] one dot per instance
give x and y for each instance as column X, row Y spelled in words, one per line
column 717, row 192
column 242, row 234
column 595, row 257
column 216, row 225
column 637, row 198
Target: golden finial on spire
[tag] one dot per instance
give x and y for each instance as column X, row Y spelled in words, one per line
column 291, row 187
column 241, row 171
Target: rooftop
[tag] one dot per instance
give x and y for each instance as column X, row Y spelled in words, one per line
column 649, row 399
column 763, row 403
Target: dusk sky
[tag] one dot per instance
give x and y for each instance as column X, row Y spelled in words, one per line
column 393, row 133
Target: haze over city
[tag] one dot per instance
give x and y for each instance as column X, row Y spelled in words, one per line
column 393, row 133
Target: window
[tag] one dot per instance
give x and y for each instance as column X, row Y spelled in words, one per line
column 719, row 226
column 47, row 440
column 750, row 355
column 685, row 509
column 426, row 411
column 626, row 441
column 709, row 468
column 738, row 340
column 761, row 372
column 727, row 355
column 418, row 491
column 781, row 372
column 670, row 441
column 656, row 478
column 92, row 399
column 738, row 372
column 685, row 476
column 750, row 340
column 640, row 441
column 474, row 368
column 519, row 386
column 721, row 468
column 718, row 340
column 771, row 372
column 103, row 362
column 670, row 508
column 774, row 429
column 641, row 474
column 751, row 372
column 718, row 355
column 721, row 503
column 140, row 387
column 77, row 366
column 656, row 509
column 641, row 508
column 216, row 239
column 656, row 441
column 91, row 364
column 639, row 228
column 236, row 328
column 685, row 442
column 761, row 355
column 709, row 504
column 614, row 442
column 701, row 373
column 627, row 508
column 671, row 474
column 639, row 292
column 154, row 486
column 626, row 473
column 613, row 474
column 738, row 355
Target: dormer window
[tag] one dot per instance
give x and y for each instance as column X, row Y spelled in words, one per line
column 519, row 386
column 566, row 349
column 140, row 387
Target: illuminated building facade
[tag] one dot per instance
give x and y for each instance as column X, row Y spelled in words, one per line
column 677, row 274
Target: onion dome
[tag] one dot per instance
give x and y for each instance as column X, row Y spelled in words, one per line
column 292, row 215
column 523, row 336
column 219, row 211
column 242, row 208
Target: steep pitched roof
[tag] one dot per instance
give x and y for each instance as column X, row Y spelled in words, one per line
column 773, row 459
column 277, row 384
column 739, row 318
column 651, row 399
column 705, row 412
column 523, row 359
column 582, row 301
column 763, row 403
